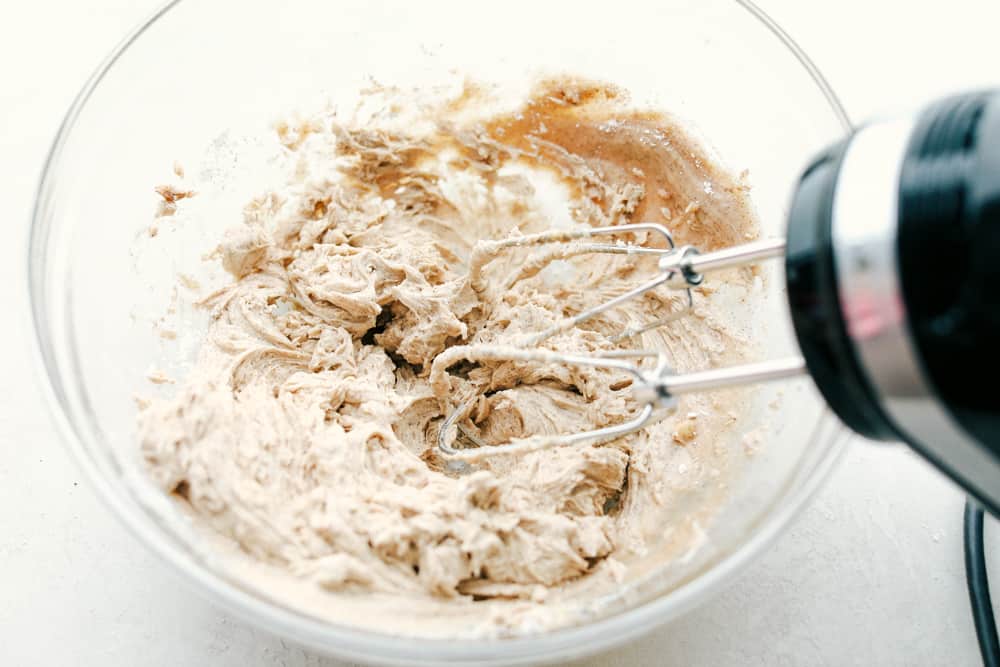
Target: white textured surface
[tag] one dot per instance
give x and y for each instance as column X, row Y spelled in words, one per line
column 870, row 574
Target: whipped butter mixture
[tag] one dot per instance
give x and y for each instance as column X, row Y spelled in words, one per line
column 305, row 436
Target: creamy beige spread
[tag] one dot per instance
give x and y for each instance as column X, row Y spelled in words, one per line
column 306, row 434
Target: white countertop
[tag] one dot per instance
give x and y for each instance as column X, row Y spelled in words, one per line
column 870, row 574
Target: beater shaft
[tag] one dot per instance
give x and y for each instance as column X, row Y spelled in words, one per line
column 719, row 378
column 686, row 265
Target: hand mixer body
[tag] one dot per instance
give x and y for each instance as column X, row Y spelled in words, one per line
column 893, row 271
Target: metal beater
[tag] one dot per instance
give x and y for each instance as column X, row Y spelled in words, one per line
column 657, row 387
column 892, row 268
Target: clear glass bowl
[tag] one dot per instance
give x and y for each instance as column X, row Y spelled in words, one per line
column 199, row 74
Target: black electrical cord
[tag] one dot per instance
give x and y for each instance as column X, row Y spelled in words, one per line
column 979, row 587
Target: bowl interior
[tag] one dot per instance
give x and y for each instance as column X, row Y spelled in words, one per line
column 199, row 87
